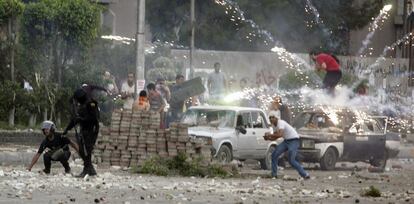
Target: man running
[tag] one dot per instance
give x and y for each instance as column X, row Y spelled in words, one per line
column 330, row 64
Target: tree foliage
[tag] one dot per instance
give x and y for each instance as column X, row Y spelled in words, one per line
column 57, row 32
column 53, row 54
column 10, row 8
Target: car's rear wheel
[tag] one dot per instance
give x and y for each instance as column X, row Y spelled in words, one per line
column 224, row 155
column 266, row 163
column 379, row 162
column 329, row 159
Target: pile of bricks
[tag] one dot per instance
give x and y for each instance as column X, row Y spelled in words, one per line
column 134, row 137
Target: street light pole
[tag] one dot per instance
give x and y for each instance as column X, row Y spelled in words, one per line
column 140, row 44
column 192, row 18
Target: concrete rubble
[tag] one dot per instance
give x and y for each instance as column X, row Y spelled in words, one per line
column 121, row 187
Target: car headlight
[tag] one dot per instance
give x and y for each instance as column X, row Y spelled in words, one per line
column 206, row 140
column 307, row 144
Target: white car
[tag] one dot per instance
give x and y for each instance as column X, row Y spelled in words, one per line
column 234, row 132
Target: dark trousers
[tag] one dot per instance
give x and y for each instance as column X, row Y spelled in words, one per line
column 86, row 141
column 63, row 159
column 173, row 116
column 331, row 79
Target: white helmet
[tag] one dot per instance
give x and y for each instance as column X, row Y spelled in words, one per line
column 47, row 124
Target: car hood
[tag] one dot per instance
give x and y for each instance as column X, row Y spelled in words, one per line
column 209, row 131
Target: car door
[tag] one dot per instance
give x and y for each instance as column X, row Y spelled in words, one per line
column 246, row 142
column 260, row 127
column 365, row 140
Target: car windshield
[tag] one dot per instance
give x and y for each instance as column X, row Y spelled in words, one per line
column 315, row 120
column 209, row 117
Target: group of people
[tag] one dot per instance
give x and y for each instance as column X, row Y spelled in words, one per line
column 155, row 98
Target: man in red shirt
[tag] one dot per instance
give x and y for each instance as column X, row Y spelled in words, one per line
column 331, row 65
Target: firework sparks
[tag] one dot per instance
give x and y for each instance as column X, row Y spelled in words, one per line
column 375, row 25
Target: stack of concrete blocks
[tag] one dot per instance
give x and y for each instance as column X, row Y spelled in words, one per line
column 134, row 137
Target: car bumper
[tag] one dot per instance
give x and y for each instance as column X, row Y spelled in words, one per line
column 309, row 155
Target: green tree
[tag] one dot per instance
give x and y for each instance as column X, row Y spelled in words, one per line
column 10, row 10
column 56, row 37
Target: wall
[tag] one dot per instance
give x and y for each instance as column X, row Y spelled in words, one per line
column 263, row 68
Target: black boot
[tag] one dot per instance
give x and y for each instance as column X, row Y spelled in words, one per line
column 46, row 171
column 67, row 170
column 91, row 171
column 65, row 165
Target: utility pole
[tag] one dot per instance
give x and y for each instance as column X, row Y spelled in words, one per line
column 140, row 44
column 12, row 39
column 192, row 18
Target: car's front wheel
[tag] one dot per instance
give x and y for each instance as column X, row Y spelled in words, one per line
column 266, row 163
column 224, row 155
column 328, row 161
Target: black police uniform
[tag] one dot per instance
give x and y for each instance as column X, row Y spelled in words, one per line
column 58, row 150
column 87, row 116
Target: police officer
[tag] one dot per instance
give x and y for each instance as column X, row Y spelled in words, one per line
column 86, row 114
column 58, row 149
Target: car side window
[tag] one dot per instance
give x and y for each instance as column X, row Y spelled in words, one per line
column 258, row 120
column 244, row 120
column 368, row 127
column 371, row 127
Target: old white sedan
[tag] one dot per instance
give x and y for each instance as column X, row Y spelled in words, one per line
column 234, row 132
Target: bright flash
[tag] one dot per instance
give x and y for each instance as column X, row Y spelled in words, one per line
column 387, row 7
column 234, row 97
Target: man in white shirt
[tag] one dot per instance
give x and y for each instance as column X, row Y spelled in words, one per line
column 216, row 83
column 128, row 90
column 290, row 144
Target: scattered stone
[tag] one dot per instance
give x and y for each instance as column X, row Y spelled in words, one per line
column 288, row 178
column 396, row 166
column 373, row 169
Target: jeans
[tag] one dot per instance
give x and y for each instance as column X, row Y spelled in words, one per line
column 292, row 147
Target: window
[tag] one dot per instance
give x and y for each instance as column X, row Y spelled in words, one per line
column 244, row 120
column 205, row 117
column 258, row 120
column 302, row 120
column 371, row 127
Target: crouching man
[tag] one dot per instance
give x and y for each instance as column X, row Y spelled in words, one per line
column 290, row 144
column 57, row 148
